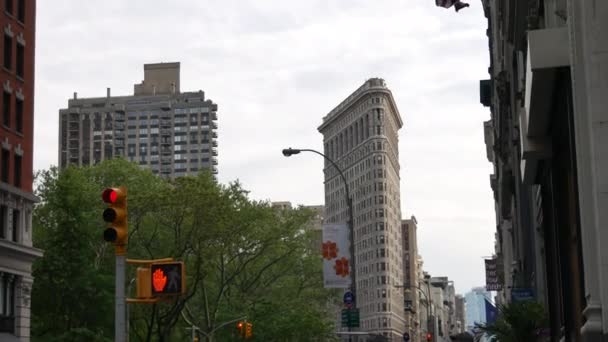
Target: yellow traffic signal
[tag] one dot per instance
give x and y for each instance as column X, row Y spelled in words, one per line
column 116, row 217
column 248, row 330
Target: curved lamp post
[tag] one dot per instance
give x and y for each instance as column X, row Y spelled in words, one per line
column 291, row 151
column 428, row 303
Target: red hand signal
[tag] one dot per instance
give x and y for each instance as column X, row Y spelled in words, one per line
column 159, row 280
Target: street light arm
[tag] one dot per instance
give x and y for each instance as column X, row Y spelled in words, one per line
column 333, row 164
column 349, row 203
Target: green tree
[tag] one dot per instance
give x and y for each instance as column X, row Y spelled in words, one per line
column 517, row 322
column 243, row 258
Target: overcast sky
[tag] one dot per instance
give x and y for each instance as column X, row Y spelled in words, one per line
column 275, row 68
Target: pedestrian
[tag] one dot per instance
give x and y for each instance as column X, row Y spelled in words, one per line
column 458, row 4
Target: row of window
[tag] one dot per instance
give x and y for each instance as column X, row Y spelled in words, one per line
column 5, row 168
column 355, row 134
column 8, row 56
column 7, row 101
column 9, row 8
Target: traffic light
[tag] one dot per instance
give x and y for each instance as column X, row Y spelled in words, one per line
column 116, row 217
column 248, row 330
column 168, row 278
column 429, row 337
column 240, row 328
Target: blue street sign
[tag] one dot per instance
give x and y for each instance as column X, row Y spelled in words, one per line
column 348, row 298
column 522, row 294
column 406, row 337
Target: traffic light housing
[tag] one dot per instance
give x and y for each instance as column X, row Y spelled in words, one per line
column 248, row 330
column 168, row 278
column 240, row 327
column 115, row 215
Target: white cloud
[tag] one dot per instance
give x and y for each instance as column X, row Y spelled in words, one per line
column 276, row 68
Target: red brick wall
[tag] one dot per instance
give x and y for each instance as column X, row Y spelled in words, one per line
column 26, row 139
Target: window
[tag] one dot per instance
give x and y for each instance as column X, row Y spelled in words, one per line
column 6, row 109
column 17, row 175
column 20, row 60
column 18, row 115
column 3, row 210
column 8, row 51
column 16, row 225
column 21, row 10
column 7, row 303
column 8, row 6
column 4, row 171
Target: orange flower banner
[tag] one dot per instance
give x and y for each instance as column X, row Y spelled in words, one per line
column 336, row 256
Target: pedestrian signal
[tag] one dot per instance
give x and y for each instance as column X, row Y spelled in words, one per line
column 168, row 278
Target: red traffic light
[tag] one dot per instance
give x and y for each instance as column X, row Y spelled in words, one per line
column 109, row 195
column 239, row 325
column 429, row 337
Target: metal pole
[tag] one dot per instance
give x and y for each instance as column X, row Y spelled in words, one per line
column 351, row 228
column 120, row 302
column 128, row 309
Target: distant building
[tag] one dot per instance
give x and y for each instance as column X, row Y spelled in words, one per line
column 361, row 136
column 172, row 133
column 410, row 275
column 460, row 314
column 475, row 307
column 18, row 22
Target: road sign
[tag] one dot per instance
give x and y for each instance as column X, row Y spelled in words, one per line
column 522, row 294
column 406, row 337
column 350, row 318
column 349, row 298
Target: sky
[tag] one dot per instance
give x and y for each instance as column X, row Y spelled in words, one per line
column 275, row 68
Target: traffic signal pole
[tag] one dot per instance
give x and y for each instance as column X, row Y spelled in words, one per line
column 115, row 215
column 120, row 326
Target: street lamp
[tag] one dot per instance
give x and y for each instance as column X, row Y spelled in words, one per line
column 428, row 305
column 291, row 151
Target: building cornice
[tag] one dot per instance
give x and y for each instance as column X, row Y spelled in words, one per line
column 370, row 86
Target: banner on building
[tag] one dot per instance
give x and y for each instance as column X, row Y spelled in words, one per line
column 491, row 312
column 493, row 275
column 336, row 256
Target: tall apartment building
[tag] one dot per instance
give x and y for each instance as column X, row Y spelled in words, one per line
column 361, row 136
column 17, row 19
column 410, row 276
column 172, row 133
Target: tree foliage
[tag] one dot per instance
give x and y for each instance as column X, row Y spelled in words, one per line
column 517, row 322
column 243, row 259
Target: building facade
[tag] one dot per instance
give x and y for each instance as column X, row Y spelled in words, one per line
column 475, row 307
column 460, row 321
column 17, row 20
column 547, row 141
column 410, row 276
column 361, row 136
column 172, row 133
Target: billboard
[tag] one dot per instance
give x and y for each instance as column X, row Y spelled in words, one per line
column 336, row 256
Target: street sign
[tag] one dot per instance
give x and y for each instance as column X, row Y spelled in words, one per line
column 350, row 318
column 522, row 294
column 406, row 337
column 348, row 299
